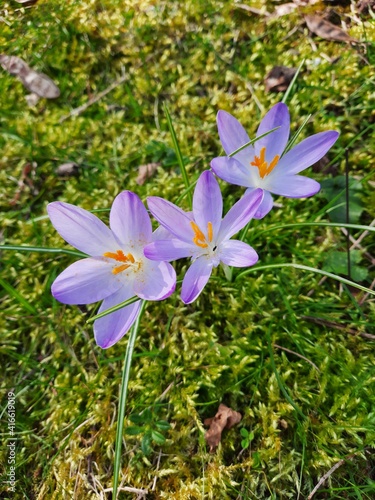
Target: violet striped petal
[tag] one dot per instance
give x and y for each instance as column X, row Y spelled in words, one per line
column 292, row 186
column 266, row 205
column 275, row 142
column 168, row 250
column 175, row 220
column 232, row 171
column 207, row 203
column 240, row 214
column 85, row 281
column 237, row 253
column 195, row 279
column 156, row 282
column 111, row 328
column 306, row 153
column 231, row 132
column 129, row 220
column 81, row 229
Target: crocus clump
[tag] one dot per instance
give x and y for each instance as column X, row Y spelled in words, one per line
column 116, row 269
column 263, row 165
column 203, row 234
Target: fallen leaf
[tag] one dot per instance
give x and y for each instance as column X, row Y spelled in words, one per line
column 363, row 6
column 67, row 169
column 327, row 30
column 26, row 179
column 279, row 78
column 37, row 83
column 225, row 418
column 146, row 171
column 284, row 9
column 26, row 2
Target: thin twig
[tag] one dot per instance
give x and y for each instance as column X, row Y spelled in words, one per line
column 327, row 474
column 80, row 109
column 297, row 354
column 157, row 468
column 331, row 324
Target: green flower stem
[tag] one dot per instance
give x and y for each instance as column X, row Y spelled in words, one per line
column 123, row 398
column 178, row 154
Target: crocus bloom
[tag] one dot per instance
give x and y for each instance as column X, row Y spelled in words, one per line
column 262, row 165
column 116, row 269
column 203, row 235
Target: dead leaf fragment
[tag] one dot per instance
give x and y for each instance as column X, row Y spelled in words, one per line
column 284, row 9
column 37, row 83
column 26, row 3
column 225, row 418
column 146, row 171
column 279, row 78
column 327, row 30
column 67, row 169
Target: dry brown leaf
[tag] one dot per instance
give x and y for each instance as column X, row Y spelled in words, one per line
column 284, row 9
column 363, row 6
column 279, row 78
column 37, row 83
column 327, row 30
column 225, row 418
column 146, row 171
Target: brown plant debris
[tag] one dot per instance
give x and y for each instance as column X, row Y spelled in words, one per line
column 67, row 169
column 279, row 78
column 37, row 83
column 225, row 418
column 146, row 171
column 327, row 30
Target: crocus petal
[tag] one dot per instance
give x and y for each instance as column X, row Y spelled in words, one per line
column 207, row 202
column 110, row 329
column 233, row 136
column 195, row 279
column 232, row 171
column 156, row 282
column 129, row 220
column 277, row 116
column 85, row 281
column 292, row 186
column 306, row 153
column 265, row 206
column 81, row 229
column 240, row 214
column 237, row 253
column 175, row 220
column 168, row 250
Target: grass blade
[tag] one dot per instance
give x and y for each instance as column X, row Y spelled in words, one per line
column 14, row 293
column 24, row 248
column 113, row 309
column 253, row 141
column 291, row 85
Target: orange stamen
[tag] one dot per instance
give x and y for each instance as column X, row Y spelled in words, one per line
column 119, row 256
column 199, row 238
column 263, row 167
column 209, row 231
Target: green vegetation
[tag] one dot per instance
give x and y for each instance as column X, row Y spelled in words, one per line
column 290, row 350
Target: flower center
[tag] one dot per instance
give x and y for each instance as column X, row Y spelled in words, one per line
column 199, row 238
column 119, row 256
column 263, row 167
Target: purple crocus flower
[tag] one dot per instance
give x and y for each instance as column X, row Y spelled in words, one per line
column 262, row 165
column 203, row 235
column 116, row 269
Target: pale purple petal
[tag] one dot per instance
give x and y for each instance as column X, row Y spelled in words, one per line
column 292, row 186
column 81, row 229
column 168, row 250
column 265, row 206
column 240, row 214
column 111, row 328
column 306, row 153
column 129, row 220
column 175, row 220
column 232, row 171
column 85, row 281
column 275, row 143
column 195, row 279
column 157, row 281
column 207, row 203
column 231, row 132
column 237, row 253
column 161, row 234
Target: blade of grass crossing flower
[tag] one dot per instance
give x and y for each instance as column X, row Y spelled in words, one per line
column 295, row 136
column 184, row 193
column 15, row 294
column 278, row 378
column 23, row 248
column 113, row 309
column 123, row 398
column 178, row 153
column 309, row 269
column 253, row 141
column 291, row 85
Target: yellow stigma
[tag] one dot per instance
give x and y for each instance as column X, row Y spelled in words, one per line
column 120, row 257
column 263, row 167
column 199, row 238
